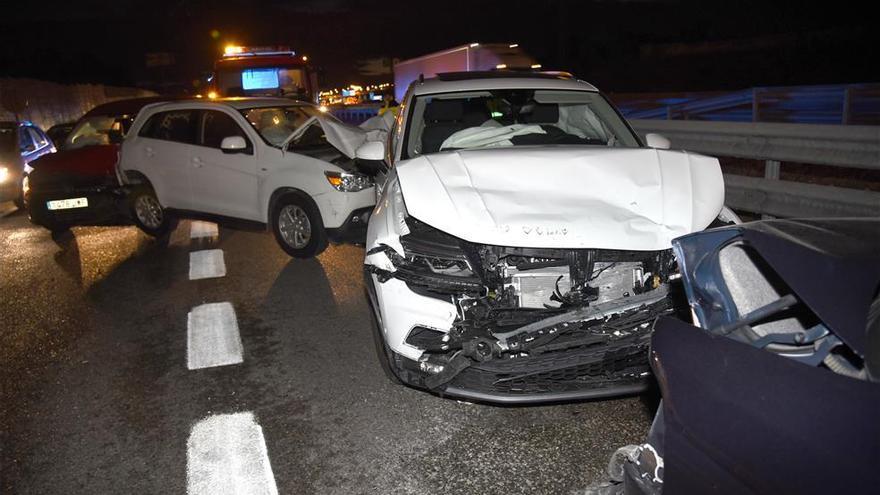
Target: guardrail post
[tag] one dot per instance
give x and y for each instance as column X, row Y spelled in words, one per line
column 771, row 172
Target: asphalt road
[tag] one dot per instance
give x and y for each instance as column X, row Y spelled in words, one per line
column 97, row 396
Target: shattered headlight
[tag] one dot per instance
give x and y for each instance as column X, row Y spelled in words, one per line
column 435, row 251
column 456, row 267
column 348, row 182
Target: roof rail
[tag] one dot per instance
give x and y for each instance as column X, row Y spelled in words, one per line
column 500, row 74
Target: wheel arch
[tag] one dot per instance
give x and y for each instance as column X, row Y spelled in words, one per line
column 279, row 193
column 136, row 177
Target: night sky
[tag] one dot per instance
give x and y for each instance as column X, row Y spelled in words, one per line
column 621, row 46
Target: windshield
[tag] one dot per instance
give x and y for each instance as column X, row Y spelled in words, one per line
column 513, row 117
column 266, row 81
column 275, row 124
column 97, row 130
column 8, row 139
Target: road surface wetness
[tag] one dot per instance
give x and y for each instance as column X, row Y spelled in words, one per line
column 98, row 396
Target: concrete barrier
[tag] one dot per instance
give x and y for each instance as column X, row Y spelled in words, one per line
column 46, row 103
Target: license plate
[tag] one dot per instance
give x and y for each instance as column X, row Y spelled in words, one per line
column 66, row 204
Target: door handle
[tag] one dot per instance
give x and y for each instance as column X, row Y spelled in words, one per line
column 149, row 152
column 197, row 162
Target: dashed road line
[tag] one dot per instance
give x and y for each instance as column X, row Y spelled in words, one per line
column 199, row 229
column 212, row 337
column 207, row 263
column 226, row 454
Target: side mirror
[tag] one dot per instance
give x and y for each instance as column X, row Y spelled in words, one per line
column 233, row 144
column 658, row 141
column 371, row 150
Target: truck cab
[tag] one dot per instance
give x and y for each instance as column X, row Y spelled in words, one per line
column 264, row 71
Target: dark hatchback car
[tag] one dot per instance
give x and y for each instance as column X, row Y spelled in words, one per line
column 777, row 388
column 79, row 185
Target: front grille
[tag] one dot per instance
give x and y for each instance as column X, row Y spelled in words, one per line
column 593, row 367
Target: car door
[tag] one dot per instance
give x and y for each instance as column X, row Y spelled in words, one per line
column 224, row 183
column 163, row 151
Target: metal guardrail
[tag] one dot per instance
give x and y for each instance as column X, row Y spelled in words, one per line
column 847, row 104
column 355, row 114
column 842, row 146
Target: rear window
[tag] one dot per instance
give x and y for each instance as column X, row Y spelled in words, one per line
column 98, row 130
column 38, row 137
column 175, row 125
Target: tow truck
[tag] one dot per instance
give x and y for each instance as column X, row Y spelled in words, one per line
column 264, row 71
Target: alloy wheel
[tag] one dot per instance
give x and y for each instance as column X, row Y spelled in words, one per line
column 149, row 211
column 295, row 227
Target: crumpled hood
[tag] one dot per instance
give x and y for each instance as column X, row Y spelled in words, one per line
column 346, row 138
column 343, row 137
column 565, row 197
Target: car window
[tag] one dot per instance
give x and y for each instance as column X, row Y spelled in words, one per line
column 513, row 117
column 216, row 126
column 25, row 140
column 175, row 125
column 37, row 137
column 276, row 124
column 98, row 130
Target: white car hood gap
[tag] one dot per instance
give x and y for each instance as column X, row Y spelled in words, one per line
column 564, row 197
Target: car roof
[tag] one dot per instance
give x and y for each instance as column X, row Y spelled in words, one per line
column 243, row 102
column 237, row 103
column 478, row 81
column 126, row 106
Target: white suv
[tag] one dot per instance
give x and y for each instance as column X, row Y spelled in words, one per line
column 520, row 249
column 267, row 160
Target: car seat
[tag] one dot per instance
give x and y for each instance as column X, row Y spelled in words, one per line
column 542, row 113
column 442, row 119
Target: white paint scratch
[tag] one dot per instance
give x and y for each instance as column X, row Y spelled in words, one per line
column 226, row 454
column 212, row 336
column 207, row 263
column 199, row 229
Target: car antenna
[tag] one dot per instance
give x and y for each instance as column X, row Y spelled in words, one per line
column 421, row 78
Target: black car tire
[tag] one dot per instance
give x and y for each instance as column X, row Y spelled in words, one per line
column 297, row 225
column 19, row 199
column 57, row 227
column 147, row 213
column 383, row 352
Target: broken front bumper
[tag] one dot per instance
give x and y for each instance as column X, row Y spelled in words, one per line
column 601, row 365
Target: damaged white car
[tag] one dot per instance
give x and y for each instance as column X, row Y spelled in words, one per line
column 520, row 247
column 273, row 161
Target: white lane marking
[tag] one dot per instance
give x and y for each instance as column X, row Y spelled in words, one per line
column 212, row 337
column 226, row 454
column 207, row 263
column 199, row 229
